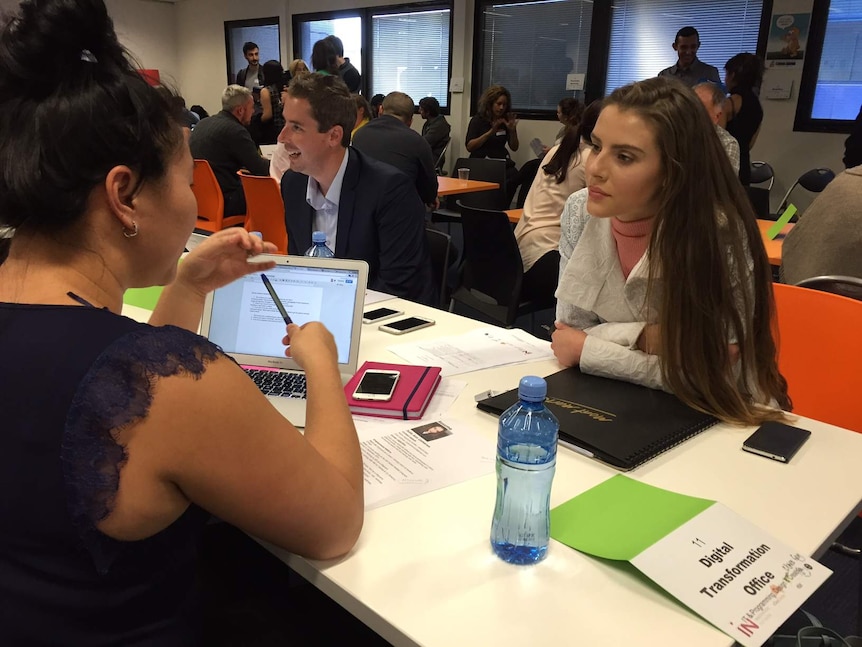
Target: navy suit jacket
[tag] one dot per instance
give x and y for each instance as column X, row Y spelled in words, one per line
column 381, row 220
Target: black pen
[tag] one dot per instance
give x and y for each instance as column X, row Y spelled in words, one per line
column 276, row 300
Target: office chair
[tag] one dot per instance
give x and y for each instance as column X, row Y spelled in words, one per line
column 439, row 246
column 210, row 200
column 487, row 170
column 820, row 354
column 814, row 180
column 761, row 173
column 846, row 286
column 264, row 209
column 492, row 272
column 438, row 165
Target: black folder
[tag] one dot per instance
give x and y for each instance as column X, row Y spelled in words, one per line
column 618, row 423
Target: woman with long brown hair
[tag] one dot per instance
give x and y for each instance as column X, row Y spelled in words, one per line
column 492, row 129
column 663, row 278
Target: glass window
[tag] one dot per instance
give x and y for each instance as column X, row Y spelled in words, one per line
column 263, row 32
column 398, row 47
column 347, row 28
column 410, row 53
column 531, row 48
column 643, row 32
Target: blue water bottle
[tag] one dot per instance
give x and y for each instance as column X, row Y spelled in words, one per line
column 526, row 459
column 318, row 246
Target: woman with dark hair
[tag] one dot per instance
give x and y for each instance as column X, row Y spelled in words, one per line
column 112, row 473
column 663, row 278
column 375, row 103
column 271, row 119
column 324, row 58
column 744, row 73
column 494, row 128
column 569, row 113
column 538, row 230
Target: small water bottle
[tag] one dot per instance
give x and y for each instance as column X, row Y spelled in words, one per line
column 318, row 246
column 526, row 459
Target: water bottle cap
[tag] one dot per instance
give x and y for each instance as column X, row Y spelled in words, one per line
column 318, row 237
column 532, row 388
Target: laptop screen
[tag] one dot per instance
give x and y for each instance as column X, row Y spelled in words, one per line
column 244, row 319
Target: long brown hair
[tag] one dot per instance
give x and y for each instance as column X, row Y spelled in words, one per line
column 706, row 250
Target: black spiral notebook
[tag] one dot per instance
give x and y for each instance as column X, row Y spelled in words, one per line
column 615, row 422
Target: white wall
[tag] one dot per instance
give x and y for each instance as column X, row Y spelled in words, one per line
column 201, row 48
column 148, row 29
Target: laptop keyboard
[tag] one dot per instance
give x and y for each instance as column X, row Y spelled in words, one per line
column 279, row 383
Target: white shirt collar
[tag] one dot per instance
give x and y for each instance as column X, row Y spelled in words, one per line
column 316, row 199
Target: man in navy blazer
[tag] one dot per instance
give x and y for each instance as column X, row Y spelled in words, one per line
column 368, row 210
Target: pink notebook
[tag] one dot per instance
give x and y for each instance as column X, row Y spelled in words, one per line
column 412, row 394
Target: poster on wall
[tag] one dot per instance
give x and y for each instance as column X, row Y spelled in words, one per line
column 788, row 37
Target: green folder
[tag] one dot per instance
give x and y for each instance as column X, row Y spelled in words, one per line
column 145, row 298
column 620, row 518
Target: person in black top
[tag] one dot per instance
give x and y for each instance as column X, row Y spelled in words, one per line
column 110, row 475
column 744, row 73
column 224, row 141
column 346, row 70
column 436, row 129
column 853, row 144
column 271, row 118
column 494, row 128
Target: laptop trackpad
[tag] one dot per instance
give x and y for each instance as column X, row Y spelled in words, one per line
column 291, row 408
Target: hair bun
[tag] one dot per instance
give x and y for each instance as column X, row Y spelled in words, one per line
column 70, row 39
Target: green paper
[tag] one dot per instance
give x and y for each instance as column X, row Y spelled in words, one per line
column 620, row 518
column 145, row 298
column 775, row 229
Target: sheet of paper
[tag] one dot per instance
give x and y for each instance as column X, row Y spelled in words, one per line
column 476, row 350
column 732, row 573
column 411, row 458
column 373, row 296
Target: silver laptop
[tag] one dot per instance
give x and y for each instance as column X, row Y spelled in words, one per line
column 243, row 320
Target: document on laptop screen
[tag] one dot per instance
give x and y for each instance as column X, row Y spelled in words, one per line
column 245, row 319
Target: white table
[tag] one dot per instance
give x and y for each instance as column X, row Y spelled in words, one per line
column 423, row 572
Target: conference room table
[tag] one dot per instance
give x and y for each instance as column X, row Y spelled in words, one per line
column 423, row 573
column 454, row 186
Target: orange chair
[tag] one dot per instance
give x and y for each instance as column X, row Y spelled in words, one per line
column 820, row 353
column 210, row 200
column 264, row 209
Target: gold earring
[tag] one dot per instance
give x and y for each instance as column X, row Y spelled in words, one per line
column 133, row 232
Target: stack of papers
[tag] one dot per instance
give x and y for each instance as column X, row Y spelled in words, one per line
column 476, row 350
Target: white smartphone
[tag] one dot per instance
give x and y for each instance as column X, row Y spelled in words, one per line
column 379, row 314
column 403, row 326
column 376, row 385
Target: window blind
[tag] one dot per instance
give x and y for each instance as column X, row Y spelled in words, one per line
column 530, row 48
column 643, row 32
column 410, row 54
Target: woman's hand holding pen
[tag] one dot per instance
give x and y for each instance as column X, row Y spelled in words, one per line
column 310, row 344
column 567, row 344
column 221, row 259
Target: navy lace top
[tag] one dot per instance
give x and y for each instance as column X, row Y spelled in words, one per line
column 71, row 376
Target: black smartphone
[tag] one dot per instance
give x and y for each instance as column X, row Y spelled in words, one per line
column 776, row 440
column 379, row 314
column 403, row 326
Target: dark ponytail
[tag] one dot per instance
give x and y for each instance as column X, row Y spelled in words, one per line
column 87, row 111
